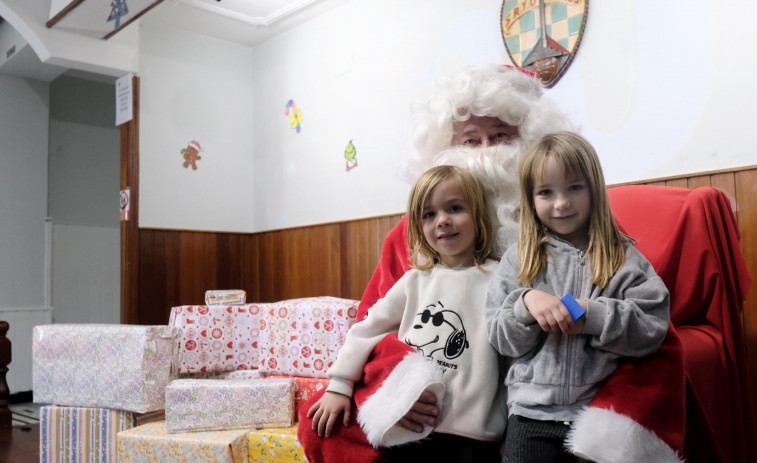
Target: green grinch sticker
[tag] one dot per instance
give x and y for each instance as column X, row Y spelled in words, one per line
column 349, row 153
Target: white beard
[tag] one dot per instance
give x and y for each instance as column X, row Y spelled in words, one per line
column 496, row 167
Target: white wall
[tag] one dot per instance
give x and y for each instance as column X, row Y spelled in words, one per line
column 659, row 92
column 656, row 96
column 195, row 88
column 23, row 191
column 23, row 207
column 354, row 72
column 662, row 91
column 84, row 183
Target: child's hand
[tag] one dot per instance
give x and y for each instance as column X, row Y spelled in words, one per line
column 578, row 325
column 326, row 411
column 550, row 313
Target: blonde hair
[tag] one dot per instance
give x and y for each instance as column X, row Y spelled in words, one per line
column 473, row 193
column 578, row 159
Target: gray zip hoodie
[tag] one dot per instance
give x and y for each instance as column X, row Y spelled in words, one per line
column 552, row 376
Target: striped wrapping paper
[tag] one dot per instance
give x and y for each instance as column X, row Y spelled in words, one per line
column 84, row 435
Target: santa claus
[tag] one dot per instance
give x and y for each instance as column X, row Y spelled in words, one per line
column 483, row 119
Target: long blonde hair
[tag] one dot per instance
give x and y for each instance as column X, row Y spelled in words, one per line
column 578, row 159
column 473, row 193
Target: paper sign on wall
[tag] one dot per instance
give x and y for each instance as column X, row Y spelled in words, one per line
column 125, row 203
column 124, row 99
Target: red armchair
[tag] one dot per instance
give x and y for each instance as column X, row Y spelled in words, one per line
column 691, row 239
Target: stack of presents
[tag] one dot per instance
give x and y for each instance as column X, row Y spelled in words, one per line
column 222, row 382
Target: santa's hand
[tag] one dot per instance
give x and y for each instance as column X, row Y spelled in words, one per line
column 424, row 412
column 326, row 411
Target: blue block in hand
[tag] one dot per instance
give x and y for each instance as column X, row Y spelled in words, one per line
column 574, row 308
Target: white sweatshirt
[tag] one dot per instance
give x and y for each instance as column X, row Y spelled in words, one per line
column 441, row 313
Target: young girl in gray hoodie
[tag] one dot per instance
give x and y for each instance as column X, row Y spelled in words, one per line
column 569, row 244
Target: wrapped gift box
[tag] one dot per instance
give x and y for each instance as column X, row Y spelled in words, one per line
column 152, row 443
column 275, row 446
column 236, row 374
column 217, row 338
column 225, row 296
column 217, row 404
column 84, row 435
column 306, row 388
column 300, row 337
column 123, row 367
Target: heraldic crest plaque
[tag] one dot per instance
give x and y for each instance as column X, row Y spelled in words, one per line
column 543, row 35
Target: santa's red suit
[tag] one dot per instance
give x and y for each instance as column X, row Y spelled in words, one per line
column 640, row 413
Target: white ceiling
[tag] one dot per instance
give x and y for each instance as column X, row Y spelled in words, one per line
column 244, row 22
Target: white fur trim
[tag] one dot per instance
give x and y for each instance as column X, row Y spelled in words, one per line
column 605, row 436
column 379, row 414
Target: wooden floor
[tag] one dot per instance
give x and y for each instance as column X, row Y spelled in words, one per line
column 20, row 444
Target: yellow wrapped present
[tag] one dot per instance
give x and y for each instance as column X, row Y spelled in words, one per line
column 274, row 445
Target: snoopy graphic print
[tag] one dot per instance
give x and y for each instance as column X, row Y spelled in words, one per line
column 439, row 334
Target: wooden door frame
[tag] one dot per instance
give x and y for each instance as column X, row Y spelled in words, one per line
column 130, row 227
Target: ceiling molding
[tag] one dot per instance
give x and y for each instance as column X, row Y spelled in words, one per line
column 265, row 21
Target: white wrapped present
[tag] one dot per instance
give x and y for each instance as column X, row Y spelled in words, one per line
column 194, row 405
column 124, row 367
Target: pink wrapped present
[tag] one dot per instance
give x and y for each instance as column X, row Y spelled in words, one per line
column 306, row 388
column 217, row 338
column 216, row 404
column 300, row 337
column 124, row 367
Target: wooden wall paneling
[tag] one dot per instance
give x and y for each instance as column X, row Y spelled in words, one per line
column 155, row 268
column 229, row 262
column 698, row 181
column 727, row 182
column 677, row 182
column 269, row 271
column 249, row 259
column 323, row 255
column 360, row 252
column 746, row 198
column 198, row 267
column 129, row 177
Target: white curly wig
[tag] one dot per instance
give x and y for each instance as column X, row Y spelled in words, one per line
column 512, row 95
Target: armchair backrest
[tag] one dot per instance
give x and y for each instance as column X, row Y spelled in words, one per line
column 691, row 239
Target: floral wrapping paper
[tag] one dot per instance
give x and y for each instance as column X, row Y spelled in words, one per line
column 306, row 388
column 275, row 446
column 236, row 374
column 83, row 434
column 122, row 367
column 217, row 404
column 151, row 443
column 217, row 338
column 300, row 337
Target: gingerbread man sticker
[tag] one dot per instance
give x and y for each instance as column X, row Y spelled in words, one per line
column 191, row 154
